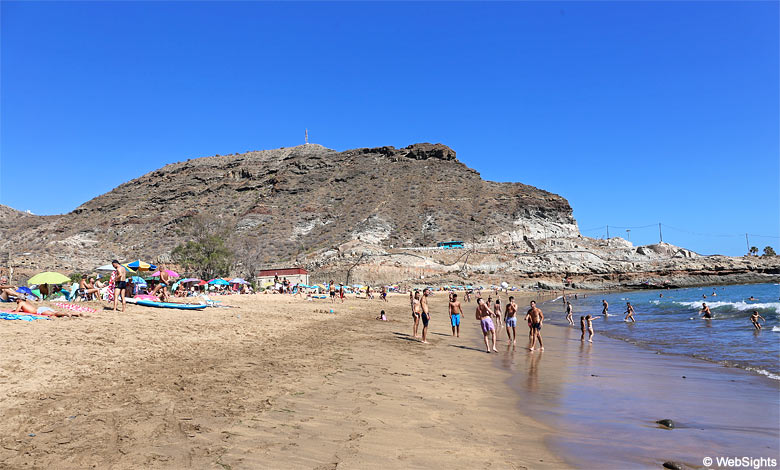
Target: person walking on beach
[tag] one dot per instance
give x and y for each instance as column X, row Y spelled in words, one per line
column 583, row 326
column 416, row 309
column 705, row 311
column 497, row 314
column 332, row 291
column 569, row 313
column 536, row 317
column 121, row 283
column 426, row 315
column 754, row 318
column 605, row 309
column 341, row 292
column 510, row 320
column 455, row 312
column 483, row 316
column 384, row 293
column 629, row 312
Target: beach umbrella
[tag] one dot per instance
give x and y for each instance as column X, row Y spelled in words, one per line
column 105, row 268
column 190, row 279
column 139, row 265
column 138, row 280
column 48, row 277
column 219, row 282
column 238, row 280
column 170, row 273
column 202, row 283
column 504, row 285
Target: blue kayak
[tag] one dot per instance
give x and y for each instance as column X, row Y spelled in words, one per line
column 151, row 303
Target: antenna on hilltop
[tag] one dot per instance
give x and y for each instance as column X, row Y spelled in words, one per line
column 306, row 137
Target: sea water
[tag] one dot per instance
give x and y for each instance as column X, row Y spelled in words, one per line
column 669, row 321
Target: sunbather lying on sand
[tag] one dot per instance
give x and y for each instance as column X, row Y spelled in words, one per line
column 27, row 307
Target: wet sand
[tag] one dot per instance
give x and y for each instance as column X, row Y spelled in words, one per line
column 274, row 383
column 604, row 399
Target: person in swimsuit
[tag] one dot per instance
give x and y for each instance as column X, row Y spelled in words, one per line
column 569, row 313
column 535, row 317
column 416, row 310
column 468, row 296
column 426, row 315
column 332, row 291
column 510, row 320
column 497, row 314
column 589, row 323
column 23, row 306
column 341, row 292
column 455, row 312
column 384, row 293
column 483, row 316
column 754, row 318
column 86, row 290
column 6, row 290
column 705, row 311
column 629, row 312
column 583, row 326
column 121, row 283
column 605, row 310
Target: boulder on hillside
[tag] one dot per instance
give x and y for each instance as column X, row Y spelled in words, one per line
column 425, row 151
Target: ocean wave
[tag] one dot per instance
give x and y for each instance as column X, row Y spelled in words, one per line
column 740, row 306
column 764, row 372
column 776, row 328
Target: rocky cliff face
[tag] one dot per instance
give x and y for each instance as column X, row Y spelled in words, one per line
column 284, row 203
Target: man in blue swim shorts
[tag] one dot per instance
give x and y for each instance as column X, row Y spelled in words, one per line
column 455, row 312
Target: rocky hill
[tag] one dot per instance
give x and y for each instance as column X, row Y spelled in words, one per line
column 282, row 204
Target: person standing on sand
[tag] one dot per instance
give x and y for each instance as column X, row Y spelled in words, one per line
column 416, row 309
column 497, row 314
column 605, row 310
column 589, row 324
column 705, row 311
column 583, row 325
column 483, row 316
column 384, row 293
column 510, row 320
column 332, row 289
column 455, row 312
column 569, row 313
column 426, row 315
column 121, row 283
column 535, row 317
column 341, row 292
column 629, row 312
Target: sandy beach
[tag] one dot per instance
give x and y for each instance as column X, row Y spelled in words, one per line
column 274, row 382
column 281, row 382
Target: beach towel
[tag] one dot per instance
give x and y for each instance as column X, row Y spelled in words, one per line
column 15, row 316
column 75, row 308
column 111, row 284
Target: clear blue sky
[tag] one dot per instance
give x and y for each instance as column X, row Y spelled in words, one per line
column 637, row 113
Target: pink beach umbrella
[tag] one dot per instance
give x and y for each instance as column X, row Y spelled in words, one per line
column 168, row 271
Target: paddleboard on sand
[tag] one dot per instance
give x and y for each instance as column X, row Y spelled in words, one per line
column 151, row 303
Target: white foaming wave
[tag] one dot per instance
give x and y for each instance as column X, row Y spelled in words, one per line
column 776, row 328
column 655, row 302
column 735, row 305
column 764, row 372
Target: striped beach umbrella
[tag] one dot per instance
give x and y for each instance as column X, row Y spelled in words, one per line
column 139, row 265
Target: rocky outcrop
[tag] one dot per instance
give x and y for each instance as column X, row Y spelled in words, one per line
column 285, row 203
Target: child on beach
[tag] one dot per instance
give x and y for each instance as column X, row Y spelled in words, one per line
column 754, row 318
column 582, row 328
column 569, row 312
column 382, row 316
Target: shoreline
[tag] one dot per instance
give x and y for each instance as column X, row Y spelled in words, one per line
column 280, row 380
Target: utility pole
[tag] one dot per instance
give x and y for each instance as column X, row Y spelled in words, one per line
column 628, row 234
column 660, row 233
column 747, row 242
column 306, row 137
column 607, row 232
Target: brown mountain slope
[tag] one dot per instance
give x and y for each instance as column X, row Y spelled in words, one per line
column 285, row 202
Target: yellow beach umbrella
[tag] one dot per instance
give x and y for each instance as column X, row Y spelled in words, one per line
column 48, row 277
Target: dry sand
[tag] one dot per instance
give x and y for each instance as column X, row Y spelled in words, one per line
column 276, row 383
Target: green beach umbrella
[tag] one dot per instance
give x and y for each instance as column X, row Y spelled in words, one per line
column 49, row 277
